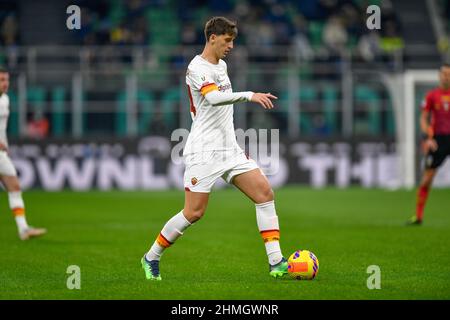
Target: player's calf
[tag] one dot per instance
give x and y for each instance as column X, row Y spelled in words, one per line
column 269, row 229
column 171, row 231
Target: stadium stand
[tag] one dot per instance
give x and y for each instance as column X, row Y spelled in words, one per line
column 153, row 40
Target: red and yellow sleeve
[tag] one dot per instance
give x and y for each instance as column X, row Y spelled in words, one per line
column 208, row 87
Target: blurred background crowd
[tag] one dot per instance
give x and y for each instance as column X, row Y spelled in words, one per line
column 133, row 53
column 330, row 27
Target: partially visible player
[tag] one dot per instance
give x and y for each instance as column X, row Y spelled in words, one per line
column 8, row 174
column 435, row 127
column 212, row 151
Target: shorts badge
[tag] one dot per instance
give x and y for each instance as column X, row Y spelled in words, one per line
column 194, row 181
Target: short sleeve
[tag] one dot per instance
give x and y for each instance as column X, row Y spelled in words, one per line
column 427, row 103
column 6, row 97
column 201, row 80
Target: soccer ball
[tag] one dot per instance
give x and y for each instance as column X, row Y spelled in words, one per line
column 303, row 265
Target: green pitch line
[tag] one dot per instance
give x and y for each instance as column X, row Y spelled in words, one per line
column 222, row 256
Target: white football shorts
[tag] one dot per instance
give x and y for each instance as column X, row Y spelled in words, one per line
column 203, row 169
column 6, row 165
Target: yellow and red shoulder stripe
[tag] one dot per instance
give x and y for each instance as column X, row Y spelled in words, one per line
column 208, row 87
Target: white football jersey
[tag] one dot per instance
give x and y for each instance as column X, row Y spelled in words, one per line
column 212, row 126
column 4, row 114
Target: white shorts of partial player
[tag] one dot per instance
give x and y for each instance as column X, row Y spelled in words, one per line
column 6, row 165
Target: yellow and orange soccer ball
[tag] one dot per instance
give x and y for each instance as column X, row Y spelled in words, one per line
column 303, row 265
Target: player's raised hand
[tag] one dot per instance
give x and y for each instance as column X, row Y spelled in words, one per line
column 264, row 99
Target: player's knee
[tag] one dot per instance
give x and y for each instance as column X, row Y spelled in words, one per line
column 13, row 185
column 197, row 215
column 265, row 195
column 269, row 195
column 193, row 215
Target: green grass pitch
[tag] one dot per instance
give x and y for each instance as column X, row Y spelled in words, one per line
column 222, row 256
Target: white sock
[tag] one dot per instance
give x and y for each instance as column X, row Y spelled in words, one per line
column 21, row 222
column 17, row 206
column 268, row 226
column 171, row 231
column 273, row 252
column 155, row 252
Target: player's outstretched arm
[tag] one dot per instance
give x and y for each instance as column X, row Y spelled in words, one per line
column 264, row 99
column 217, row 98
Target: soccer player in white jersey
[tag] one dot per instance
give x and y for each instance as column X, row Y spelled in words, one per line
column 8, row 174
column 212, row 152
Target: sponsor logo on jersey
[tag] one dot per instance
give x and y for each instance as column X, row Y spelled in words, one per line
column 225, row 87
column 445, row 102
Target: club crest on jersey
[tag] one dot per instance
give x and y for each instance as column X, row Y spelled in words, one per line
column 194, row 181
column 446, row 102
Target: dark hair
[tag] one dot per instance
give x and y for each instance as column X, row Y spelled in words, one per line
column 445, row 65
column 220, row 26
column 3, row 70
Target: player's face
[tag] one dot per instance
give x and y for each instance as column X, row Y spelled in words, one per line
column 4, row 82
column 445, row 77
column 223, row 45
